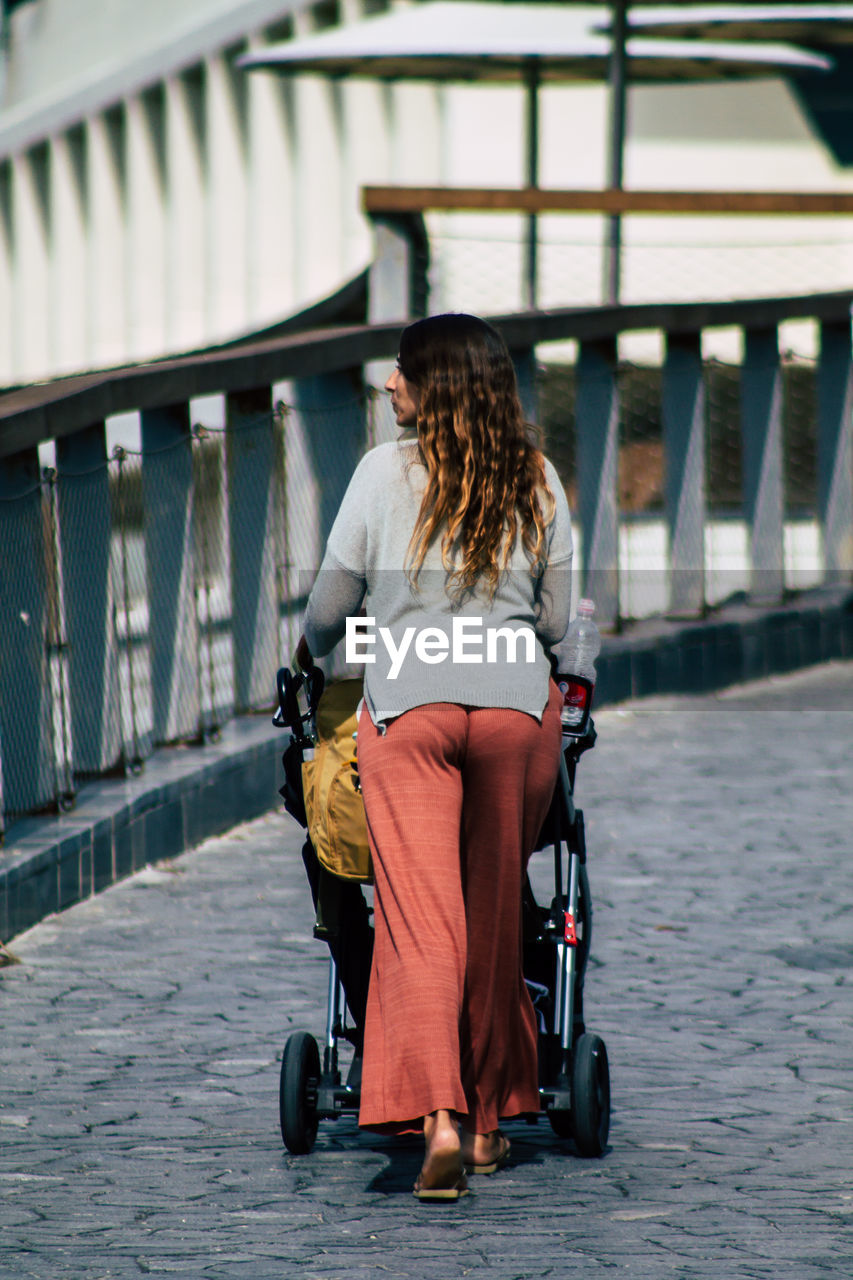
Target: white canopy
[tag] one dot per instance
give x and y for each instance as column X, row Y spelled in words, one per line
column 480, row 41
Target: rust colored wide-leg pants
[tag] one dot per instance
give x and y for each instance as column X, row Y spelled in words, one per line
column 455, row 797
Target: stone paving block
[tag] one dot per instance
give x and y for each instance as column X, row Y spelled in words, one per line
column 122, row 844
column 728, row 655
column 70, row 871
column 644, row 673
column 138, row 851
column 847, row 631
column 811, row 651
column 754, row 653
column 87, row 870
column 695, row 663
column 668, row 659
column 103, row 864
column 254, row 785
column 33, row 889
column 164, row 830
column 831, row 634
column 614, row 677
column 207, row 805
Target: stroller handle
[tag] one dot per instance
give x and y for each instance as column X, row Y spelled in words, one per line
column 288, row 685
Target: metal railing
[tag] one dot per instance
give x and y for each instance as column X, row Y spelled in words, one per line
column 148, row 594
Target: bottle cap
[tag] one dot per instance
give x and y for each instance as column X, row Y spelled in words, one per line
column 586, row 606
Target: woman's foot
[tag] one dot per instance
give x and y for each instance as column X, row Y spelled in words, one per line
column 442, row 1176
column 485, row 1152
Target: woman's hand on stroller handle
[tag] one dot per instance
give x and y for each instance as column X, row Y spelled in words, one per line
column 302, row 657
column 298, row 696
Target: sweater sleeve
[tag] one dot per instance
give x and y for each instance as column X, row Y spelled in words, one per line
column 347, row 540
column 336, row 595
column 554, row 594
column 554, row 602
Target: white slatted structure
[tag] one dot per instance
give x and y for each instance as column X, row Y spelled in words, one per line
column 155, row 198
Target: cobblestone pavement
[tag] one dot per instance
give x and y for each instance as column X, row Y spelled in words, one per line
column 142, row 1030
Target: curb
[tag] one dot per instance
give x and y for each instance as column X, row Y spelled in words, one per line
column 741, row 641
column 187, row 794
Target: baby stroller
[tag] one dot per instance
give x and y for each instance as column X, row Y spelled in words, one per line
column 574, row 1082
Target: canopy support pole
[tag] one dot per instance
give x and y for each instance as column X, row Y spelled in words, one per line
column 531, row 80
column 617, row 81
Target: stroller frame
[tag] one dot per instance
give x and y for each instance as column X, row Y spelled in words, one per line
column 574, row 1083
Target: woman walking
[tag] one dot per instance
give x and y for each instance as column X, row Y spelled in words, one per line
column 456, row 542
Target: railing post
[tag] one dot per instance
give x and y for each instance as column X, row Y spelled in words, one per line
column 835, row 448
column 397, row 284
column 167, row 489
column 254, row 524
column 333, row 411
column 330, row 421
column 397, row 289
column 683, row 408
column 597, row 418
column 761, row 418
column 26, row 737
column 83, row 494
column 524, row 359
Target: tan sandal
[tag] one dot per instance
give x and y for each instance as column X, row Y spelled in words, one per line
column 494, row 1165
column 442, row 1193
column 448, row 1179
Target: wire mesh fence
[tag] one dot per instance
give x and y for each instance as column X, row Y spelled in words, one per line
column 125, row 634
column 32, row 740
column 478, row 261
column 643, row 556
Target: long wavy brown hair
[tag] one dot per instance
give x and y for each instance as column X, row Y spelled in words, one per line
column 486, row 476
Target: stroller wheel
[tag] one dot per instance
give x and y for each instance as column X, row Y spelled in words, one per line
column 297, row 1096
column 590, row 1096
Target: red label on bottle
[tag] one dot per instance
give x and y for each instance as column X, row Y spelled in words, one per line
column 574, row 693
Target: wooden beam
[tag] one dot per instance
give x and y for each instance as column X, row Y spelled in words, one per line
column 376, row 200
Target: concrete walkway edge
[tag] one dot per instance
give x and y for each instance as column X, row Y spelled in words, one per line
column 186, row 794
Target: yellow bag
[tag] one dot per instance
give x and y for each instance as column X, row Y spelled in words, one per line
column 335, row 809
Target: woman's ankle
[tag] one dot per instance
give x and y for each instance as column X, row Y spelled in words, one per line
column 441, row 1131
column 481, row 1148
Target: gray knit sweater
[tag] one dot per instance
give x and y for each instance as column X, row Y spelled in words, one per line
column 420, row 645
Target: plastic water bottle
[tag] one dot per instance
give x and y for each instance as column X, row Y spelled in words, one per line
column 576, row 654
